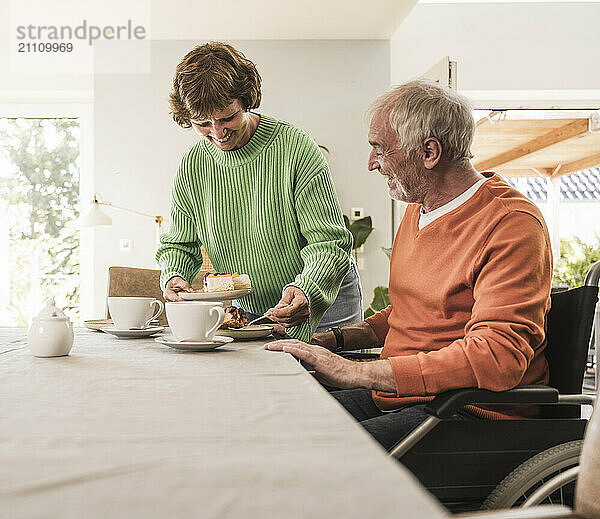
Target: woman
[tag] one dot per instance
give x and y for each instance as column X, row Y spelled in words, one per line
column 257, row 193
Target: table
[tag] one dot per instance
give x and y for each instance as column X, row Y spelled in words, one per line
column 131, row 428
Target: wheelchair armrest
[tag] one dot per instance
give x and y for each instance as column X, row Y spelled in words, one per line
column 534, row 512
column 449, row 403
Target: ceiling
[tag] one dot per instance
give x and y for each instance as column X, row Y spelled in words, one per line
column 269, row 19
column 520, row 146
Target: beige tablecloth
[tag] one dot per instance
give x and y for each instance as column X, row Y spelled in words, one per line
column 131, row 428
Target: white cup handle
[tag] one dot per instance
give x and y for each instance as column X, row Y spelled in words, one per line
column 219, row 321
column 161, row 307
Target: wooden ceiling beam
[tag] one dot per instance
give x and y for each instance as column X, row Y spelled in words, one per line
column 554, row 136
column 525, row 172
column 571, row 167
column 515, row 172
column 488, row 118
column 543, row 172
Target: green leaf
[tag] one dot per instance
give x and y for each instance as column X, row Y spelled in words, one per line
column 381, row 299
column 347, row 222
column 387, row 251
column 361, row 229
column 325, row 148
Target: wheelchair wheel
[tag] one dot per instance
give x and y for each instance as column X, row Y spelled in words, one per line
column 515, row 488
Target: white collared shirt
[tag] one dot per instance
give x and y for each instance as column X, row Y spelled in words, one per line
column 427, row 218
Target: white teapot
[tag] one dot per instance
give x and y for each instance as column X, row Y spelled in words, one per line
column 50, row 333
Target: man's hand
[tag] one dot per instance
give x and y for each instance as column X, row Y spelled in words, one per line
column 325, row 339
column 356, row 337
column 292, row 310
column 175, row 285
column 336, row 371
column 331, row 369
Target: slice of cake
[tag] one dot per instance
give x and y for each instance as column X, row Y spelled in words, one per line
column 241, row 281
column 234, row 318
column 218, row 283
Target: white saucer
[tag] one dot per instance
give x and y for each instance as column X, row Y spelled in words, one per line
column 254, row 331
column 215, row 296
column 169, row 340
column 133, row 334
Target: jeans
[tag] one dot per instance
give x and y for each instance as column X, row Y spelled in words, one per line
column 387, row 428
column 347, row 307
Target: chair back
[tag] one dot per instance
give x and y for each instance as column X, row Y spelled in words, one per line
column 568, row 337
column 569, row 329
column 587, row 492
column 140, row 282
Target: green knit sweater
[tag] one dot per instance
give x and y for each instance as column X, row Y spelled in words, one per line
column 269, row 210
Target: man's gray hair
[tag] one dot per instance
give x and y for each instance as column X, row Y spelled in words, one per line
column 421, row 109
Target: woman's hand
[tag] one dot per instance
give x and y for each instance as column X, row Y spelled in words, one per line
column 175, row 285
column 292, row 310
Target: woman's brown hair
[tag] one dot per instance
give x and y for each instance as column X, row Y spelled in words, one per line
column 208, row 79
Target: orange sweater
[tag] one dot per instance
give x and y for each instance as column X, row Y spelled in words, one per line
column 469, row 295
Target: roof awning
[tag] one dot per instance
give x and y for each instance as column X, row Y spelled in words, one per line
column 546, row 143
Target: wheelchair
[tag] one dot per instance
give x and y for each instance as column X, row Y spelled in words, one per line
column 493, row 464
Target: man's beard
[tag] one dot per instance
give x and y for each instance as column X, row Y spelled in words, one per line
column 413, row 187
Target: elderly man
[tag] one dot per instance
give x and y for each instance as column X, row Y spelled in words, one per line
column 470, row 276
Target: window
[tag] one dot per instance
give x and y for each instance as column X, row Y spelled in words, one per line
column 39, row 201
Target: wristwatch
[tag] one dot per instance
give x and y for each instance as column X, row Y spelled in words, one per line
column 339, row 339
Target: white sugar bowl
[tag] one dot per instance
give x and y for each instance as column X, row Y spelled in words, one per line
column 50, row 333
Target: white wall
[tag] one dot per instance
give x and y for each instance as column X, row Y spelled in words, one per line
column 322, row 86
column 503, row 46
column 17, row 86
column 270, row 19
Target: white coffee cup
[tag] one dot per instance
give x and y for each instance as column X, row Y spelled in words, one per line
column 133, row 312
column 195, row 320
